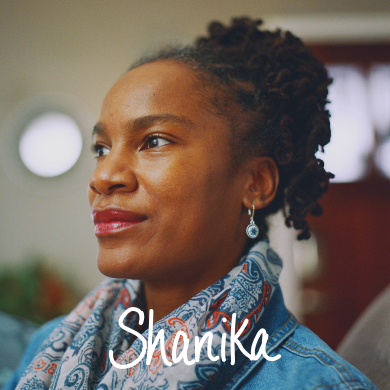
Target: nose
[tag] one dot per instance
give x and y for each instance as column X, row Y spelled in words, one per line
column 114, row 173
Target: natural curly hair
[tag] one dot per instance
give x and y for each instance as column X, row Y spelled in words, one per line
column 273, row 92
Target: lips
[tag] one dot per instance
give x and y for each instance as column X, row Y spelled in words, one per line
column 111, row 221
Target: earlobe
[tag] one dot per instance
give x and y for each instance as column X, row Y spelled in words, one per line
column 262, row 183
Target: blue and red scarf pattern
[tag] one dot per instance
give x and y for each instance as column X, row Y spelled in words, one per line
column 76, row 354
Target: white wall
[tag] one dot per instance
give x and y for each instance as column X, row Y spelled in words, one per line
column 80, row 48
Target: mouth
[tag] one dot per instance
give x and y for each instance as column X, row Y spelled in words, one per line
column 110, row 221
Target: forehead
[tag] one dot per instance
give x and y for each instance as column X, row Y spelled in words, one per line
column 161, row 85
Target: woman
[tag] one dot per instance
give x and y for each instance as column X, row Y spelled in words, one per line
column 188, row 142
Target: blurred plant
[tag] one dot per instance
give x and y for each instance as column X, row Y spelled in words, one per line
column 34, row 291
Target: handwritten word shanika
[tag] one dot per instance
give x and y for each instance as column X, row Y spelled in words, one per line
column 149, row 346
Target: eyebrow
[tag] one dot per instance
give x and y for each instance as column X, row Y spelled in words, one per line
column 147, row 121
column 99, row 128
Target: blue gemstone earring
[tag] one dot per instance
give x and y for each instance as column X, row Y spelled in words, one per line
column 252, row 230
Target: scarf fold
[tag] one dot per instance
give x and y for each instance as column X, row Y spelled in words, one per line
column 76, row 354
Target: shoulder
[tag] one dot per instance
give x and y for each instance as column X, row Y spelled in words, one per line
column 32, row 348
column 38, row 338
column 306, row 362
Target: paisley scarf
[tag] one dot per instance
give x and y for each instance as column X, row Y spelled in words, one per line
column 76, row 354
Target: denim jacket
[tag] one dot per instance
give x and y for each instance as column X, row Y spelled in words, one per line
column 306, row 362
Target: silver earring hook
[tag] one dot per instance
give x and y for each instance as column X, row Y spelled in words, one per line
column 252, row 213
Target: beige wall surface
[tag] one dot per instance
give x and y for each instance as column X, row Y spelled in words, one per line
column 79, row 49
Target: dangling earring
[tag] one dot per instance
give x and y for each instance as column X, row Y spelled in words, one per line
column 252, row 230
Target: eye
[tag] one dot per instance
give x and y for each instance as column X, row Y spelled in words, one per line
column 155, row 142
column 100, row 150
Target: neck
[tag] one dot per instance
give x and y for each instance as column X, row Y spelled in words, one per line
column 164, row 296
column 164, row 300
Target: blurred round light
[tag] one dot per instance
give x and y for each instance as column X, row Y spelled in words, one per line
column 51, row 144
column 382, row 157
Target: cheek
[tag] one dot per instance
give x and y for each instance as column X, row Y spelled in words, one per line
column 187, row 187
column 166, row 175
column 178, row 180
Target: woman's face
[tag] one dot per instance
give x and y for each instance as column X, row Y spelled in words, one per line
column 166, row 203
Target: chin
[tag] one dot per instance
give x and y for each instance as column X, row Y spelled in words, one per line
column 114, row 264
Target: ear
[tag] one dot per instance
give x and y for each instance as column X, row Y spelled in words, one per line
column 262, row 183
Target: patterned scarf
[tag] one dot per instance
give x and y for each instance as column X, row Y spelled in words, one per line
column 76, row 354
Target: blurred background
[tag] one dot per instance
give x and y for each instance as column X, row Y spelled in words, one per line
column 58, row 60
